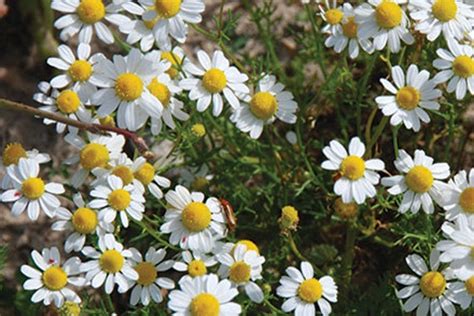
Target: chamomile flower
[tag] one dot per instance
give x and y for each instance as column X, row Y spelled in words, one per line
column 457, row 67
column 30, row 192
column 452, row 17
column 67, row 103
column 11, row 155
column 177, row 59
column 269, row 101
column 203, row 296
column 419, row 182
column 358, row 177
column 216, row 77
column 115, row 198
column 413, row 94
column 243, row 267
column 96, row 152
column 85, row 16
column 148, row 177
column 149, row 283
column 461, row 199
column 386, row 22
column 464, row 292
column 124, row 84
column 333, row 16
column 78, row 72
column 429, row 290
column 302, row 290
column 51, row 282
column 194, row 263
column 122, row 167
column 111, row 265
column 193, row 223
column 198, row 178
column 83, row 221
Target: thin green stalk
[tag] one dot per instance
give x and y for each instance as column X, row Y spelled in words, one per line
column 348, row 258
column 108, row 303
column 155, row 235
column 395, row 139
column 317, row 39
column 377, row 134
column 272, row 307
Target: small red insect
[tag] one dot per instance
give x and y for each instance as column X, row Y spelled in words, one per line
column 229, row 214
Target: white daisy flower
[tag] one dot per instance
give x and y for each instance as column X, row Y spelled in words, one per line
column 463, row 292
column 148, row 177
column 333, row 15
column 203, row 296
column 216, row 77
column 177, row 59
column 419, row 182
column 412, row 95
column 358, row 177
column 428, row 290
column 95, row 153
column 194, row 263
column 457, row 66
column 85, row 16
column 346, row 32
column 451, row 17
column 66, row 103
column 82, row 222
column 386, row 22
column 110, row 265
column 302, row 290
column 193, row 224
column 149, row 282
column 229, row 247
column 243, row 268
column 269, row 102
column 30, row 192
column 78, row 72
column 51, row 281
column 114, row 197
column 198, row 178
column 11, row 156
column 461, row 199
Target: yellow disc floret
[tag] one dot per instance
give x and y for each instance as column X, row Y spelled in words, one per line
column 408, row 98
column 33, row 188
column 70, row 309
column 167, row 8
column 91, row 11
column 68, row 101
column 160, row 91
column 146, row 273
column 466, row 200
column 432, row 284
column 54, row 278
column 12, row 154
column 93, row 156
column 175, row 62
column 345, row 210
column 128, row 87
column 198, row 130
column 388, row 14
column 463, row 66
column 289, row 218
column 84, row 220
column 199, row 184
column 469, row 283
column 197, row 268
column 124, row 173
column 80, row 70
column 111, row 261
column 249, row 244
column 196, row 216
column 107, row 121
column 352, row 167
column 263, row 105
column 145, row 174
column 310, row 290
column 334, row 16
column 214, row 80
column 204, row 304
column 349, row 28
column 419, row 179
column 239, row 272
column 444, row 10
column 119, row 199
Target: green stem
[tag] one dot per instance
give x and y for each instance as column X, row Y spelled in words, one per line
column 272, row 307
column 155, row 234
column 348, row 258
column 377, row 134
column 294, row 248
column 108, row 303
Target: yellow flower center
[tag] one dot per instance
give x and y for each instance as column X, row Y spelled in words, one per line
column 145, row 174
column 263, row 105
column 463, row 66
column 54, row 278
column 334, row 16
column 408, row 98
column 346, row 210
column 93, row 156
column 68, row 101
column 196, row 216
column 160, row 91
column 128, row 87
column 432, row 284
column 107, row 121
column 80, row 70
column 146, row 273
column 419, row 179
column 249, row 244
column 199, row 184
column 167, row 8
column 239, row 272
column 204, row 304
column 84, row 220
column 289, row 217
column 70, row 309
column 466, row 200
column 388, row 14
column 352, row 167
column 151, row 23
column 91, row 11
column 32, row 188
column 119, row 199
column 124, row 173
column 175, row 62
column 214, row 80
column 310, row 290
column 12, row 154
column 197, row 268
column 444, row 10
column 111, row 261
column 470, row 286
column 349, row 29
column 199, row 130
